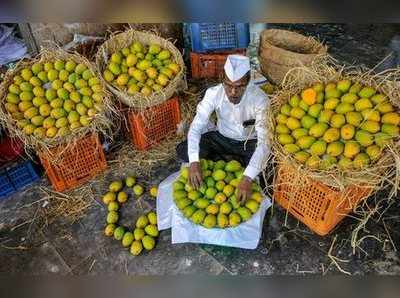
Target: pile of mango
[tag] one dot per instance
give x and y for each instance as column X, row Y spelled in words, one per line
column 145, row 233
column 215, row 204
column 139, row 68
column 342, row 124
column 54, row 98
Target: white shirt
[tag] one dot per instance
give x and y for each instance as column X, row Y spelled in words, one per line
column 253, row 105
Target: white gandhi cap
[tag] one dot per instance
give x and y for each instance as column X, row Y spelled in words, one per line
column 236, row 66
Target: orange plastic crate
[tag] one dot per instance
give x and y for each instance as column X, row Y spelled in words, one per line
column 318, row 206
column 210, row 65
column 149, row 127
column 67, row 169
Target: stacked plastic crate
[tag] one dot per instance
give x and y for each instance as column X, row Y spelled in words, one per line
column 211, row 43
column 15, row 172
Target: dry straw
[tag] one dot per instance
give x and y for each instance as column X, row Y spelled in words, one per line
column 121, row 40
column 101, row 122
column 385, row 171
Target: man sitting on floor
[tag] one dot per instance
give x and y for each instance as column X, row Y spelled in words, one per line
column 240, row 107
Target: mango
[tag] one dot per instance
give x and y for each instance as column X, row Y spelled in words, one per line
column 344, row 85
column 354, row 118
column 370, row 114
column 303, row 105
column 385, row 107
column 212, row 209
column 370, row 126
column 333, row 93
column 331, row 103
column 252, row 205
column 390, row 129
column 201, row 203
column 337, row 120
column 344, row 108
column 151, row 230
column 119, row 233
column 109, row 230
column 318, row 129
column 330, row 86
column 142, row 222
column 12, row 98
column 299, row 132
column 189, row 210
column 318, row 148
column 345, row 163
column 363, row 104
column 391, row 118
column 285, row 139
column 198, row 216
column 315, row 110
column 351, row 149
column 378, row 98
column 349, row 98
column 355, row 88
column 366, row 92
column 347, row 131
column 234, row 219
column 291, row 148
column 364, row 138
column 218, row 175
column 164, row 54
column 294, row 101
column 285, row 109
column 335, row 149
column 307, row 122
column 148, row 242
column 361, row 160
column 301, row 156
column 313, row 162
column 152, row 217
column 305, row 142
column 293, row 123
column 136, row 248
column 210, row 221
column 297, row 113
column 327, row 162
column 223, row 220
column 382, row 139
column 331, row 134
column 233, row 166
column 373, row 151
column 220, row 198
column 325, row 116
column 128, row 239
column 225, row 208
column 112, row 217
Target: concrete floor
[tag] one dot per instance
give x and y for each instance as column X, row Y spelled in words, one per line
column 82, row 248
column 292, row 249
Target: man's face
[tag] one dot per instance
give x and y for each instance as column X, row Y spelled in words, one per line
column 235, row 90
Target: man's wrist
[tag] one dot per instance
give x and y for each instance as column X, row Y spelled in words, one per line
column 247, row 178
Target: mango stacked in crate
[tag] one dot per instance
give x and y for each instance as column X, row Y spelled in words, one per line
column 215, row 204
column 139, row 68
column 54, row 98
column 341, row 124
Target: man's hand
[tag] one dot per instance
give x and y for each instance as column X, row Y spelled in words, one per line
column 195, row 175
column 244, row 189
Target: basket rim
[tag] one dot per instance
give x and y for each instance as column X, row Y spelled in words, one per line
column 266, row 43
